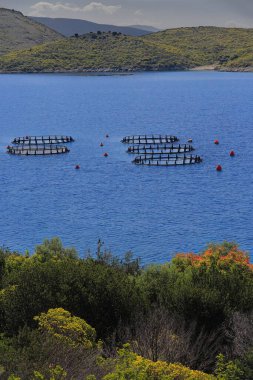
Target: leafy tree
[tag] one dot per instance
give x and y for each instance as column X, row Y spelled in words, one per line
column 209, row 286
column 70, row 329
column 56, row 373
column 129, row 365
column 53, row 250
column 61, row 341
column 227, row 370
column 245, row 364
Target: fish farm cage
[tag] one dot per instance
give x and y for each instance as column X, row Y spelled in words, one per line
column 162, row 148
column 159, row 150
column 149, row 139
column 37, row 140
column 39, row 145
column 37, row 150
column 167, row 160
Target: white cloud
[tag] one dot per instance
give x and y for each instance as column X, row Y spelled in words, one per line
column 44, row 8
column 138, row 12
column 109, row 9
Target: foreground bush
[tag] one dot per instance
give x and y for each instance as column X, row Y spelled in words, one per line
column 189, row 310
column 131, row 366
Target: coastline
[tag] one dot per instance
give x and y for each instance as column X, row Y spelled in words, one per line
column 105, row 72
column 205, row 68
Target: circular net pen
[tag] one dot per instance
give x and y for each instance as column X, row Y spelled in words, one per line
column 40, row 140
column 167, row 160
column 42, row 150
column 149, row 139
column 159, row 148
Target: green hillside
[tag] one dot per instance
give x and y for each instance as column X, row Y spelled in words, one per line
column 229, row 47
column 173, row 49
column 20, row 32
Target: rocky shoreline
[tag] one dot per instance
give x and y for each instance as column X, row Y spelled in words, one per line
column 129, row 71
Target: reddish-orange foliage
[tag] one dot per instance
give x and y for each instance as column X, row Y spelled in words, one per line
column 216, row 255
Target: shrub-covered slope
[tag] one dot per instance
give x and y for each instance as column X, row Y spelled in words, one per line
column 173, row 49
column 20, row 32
column 93, row 52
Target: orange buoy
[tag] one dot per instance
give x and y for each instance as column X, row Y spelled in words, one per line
column 107, row 136
column 106, row 154
column 77, row 167
column 232, row 153
column 216, row 142
column 219, row 168
column 101, row 144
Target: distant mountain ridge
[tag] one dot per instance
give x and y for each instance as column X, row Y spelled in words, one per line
column 68, row 27
column 20, row 32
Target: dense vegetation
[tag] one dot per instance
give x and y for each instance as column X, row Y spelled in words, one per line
column 173, row 49
column 63, row 317
column 20, row 32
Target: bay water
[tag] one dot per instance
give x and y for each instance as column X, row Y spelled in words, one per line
column 155, row 212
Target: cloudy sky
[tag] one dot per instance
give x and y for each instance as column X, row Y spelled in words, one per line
column 159, row 13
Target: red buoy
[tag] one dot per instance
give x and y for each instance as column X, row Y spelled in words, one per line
column 101, row 144
column 219, row 168
column 77, row 167
column 232, row 153
column 106, row 154
column 216, row 142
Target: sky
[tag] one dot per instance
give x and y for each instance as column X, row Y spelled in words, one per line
column 159, row 13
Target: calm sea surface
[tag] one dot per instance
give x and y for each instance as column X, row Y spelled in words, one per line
column 153, row 212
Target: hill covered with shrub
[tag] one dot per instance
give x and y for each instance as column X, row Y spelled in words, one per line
column 20, row 32
column 173, row 49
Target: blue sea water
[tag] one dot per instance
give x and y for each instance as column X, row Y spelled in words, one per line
column 153, row 212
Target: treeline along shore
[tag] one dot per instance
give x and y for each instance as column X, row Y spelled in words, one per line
column 101, row 317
